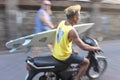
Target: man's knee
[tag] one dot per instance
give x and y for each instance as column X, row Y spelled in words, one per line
column 86, row 61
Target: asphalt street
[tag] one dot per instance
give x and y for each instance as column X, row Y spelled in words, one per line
column 12, row 65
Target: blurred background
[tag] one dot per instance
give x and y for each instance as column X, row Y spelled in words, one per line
column 17, row 17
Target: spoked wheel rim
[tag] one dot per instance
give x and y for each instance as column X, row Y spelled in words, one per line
column 92, row 73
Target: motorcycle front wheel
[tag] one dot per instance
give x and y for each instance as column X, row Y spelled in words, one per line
column 92, row 73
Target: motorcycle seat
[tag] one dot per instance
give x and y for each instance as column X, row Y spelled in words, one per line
column 43, row 61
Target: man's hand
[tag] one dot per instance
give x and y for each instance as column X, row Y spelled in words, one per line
column 75, row 52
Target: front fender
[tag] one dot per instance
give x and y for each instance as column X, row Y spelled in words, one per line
column 100, row 56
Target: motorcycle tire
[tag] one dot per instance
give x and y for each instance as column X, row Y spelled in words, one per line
column 43, row 77
column 48, row 76
column 93, row 73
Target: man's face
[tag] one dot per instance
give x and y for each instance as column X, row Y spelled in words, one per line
column 47, row 5
column 76, row 17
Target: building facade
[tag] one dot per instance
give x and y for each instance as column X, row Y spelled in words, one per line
column 18, row 20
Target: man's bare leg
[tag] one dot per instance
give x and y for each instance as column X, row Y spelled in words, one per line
column 82, row 69
column 50, row 46
column 35, row 52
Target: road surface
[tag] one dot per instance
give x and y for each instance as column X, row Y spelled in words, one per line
column 12, row 66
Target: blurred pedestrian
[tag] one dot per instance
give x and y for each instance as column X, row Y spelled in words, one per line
column 43, row 22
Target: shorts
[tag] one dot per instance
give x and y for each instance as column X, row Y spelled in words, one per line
column 74, row 59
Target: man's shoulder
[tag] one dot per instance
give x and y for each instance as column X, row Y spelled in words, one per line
column 41, row 11
column 62, row 22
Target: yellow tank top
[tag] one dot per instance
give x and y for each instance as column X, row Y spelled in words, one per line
column 62, row 46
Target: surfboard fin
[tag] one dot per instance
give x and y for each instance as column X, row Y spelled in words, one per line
column 13, row 50
column 15, row 47
column 27, row 41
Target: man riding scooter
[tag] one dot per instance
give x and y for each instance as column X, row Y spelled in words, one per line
column 65, row 35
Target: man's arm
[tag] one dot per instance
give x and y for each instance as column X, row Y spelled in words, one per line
column 73, row 35
column 44, row 19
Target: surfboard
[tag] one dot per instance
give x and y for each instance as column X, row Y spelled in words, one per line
column 41, row 39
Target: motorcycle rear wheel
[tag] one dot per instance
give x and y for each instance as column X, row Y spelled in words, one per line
column 92, row 73
column 48, row 76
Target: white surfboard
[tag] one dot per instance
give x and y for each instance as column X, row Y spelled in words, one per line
column 41, row 39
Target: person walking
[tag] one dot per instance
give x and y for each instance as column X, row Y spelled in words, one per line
column 43, row 22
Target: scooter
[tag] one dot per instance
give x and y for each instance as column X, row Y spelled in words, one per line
column 51, row 69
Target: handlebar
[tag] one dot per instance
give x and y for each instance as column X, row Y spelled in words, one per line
column 100, row 51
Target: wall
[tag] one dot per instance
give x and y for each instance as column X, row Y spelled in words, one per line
column 109, row 28
column 2, row 31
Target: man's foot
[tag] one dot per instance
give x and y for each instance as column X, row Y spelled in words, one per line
column 76, row 78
